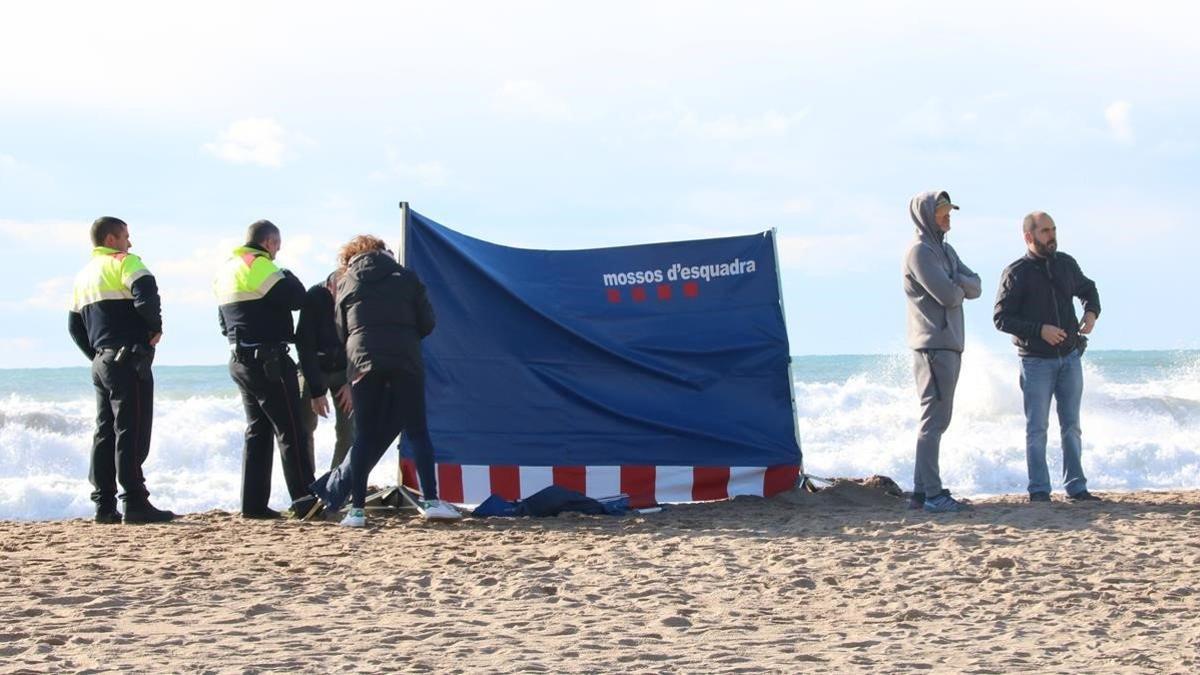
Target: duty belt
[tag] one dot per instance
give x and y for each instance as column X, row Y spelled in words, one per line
column 259, row 352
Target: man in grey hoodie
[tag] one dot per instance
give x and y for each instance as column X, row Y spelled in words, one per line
column 936, row 283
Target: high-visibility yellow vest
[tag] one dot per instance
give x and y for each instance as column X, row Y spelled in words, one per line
column 109, row 275
column 248, row 274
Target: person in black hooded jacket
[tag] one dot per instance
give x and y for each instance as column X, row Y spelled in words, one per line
column 382, row 314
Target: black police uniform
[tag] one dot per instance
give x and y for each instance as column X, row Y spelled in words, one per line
column 256, row 299
column 115, row 312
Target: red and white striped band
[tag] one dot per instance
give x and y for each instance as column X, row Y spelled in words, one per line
column 645, row 485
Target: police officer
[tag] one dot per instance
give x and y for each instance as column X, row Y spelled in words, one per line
column 256, row 299
column 116, row 320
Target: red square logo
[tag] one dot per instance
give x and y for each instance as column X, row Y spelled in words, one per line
column 614, row 295
column 691, row 289
column 664, row 291
column 638, row 293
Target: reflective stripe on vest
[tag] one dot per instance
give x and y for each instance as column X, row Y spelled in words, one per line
column 249, row 274
column 109, row 275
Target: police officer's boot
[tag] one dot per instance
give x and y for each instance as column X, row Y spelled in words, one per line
column 144, row 512
column 107, row 513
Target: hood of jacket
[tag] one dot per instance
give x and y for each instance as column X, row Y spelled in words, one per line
column 922, row 208
column 372, row 267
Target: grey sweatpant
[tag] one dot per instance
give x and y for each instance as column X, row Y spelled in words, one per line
column 936, row 372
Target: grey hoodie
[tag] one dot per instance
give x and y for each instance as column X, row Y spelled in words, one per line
column 936, row 282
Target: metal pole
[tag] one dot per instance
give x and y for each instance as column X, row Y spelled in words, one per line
column 783, row 313
column 400, row 256
column 403, row 233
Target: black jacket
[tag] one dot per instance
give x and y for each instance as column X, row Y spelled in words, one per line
column 320, row 349
column 267, row 320
column 382, row 314
column 1036, row 291
column 118, row 323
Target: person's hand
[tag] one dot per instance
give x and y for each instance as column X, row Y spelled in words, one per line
column 320, row 406
column 344, row 401
column 158, row 336
column 1089, row 322
column 1053, row 335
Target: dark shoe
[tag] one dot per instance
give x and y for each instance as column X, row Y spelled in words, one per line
column 107, row 516
column 262, row 514
column 1084, row 496
column 146, row 513
column 916, row 501
column 1039, row 496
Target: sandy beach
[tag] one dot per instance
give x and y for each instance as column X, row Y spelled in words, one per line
column 846, row 579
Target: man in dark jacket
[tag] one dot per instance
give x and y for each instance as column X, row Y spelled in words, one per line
column 255, row 299
column 1035, row 305
column 323, row 368
column 116, row 320
column 382, row 314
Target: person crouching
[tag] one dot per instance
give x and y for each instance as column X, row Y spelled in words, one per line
column 382, row 314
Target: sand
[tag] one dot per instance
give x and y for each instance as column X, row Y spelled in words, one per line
column 845, row 580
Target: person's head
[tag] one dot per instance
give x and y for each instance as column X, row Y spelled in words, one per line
column 265, row 235
column 1041, row 236
column 331, row 281
column 112, row 233
column 941, row 211
column 363, row 243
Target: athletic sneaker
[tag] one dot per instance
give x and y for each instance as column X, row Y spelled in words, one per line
column 355, row 518
column 1039, row 496
column 436, row 509
column 944, row 503
column 1084, row 496
column 916, row 501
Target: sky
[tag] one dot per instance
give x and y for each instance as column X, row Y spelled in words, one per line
column 579, row 125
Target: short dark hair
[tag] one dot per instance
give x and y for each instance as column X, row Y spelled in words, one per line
column 104, row 226
column 1030, row 222
column 260, row 230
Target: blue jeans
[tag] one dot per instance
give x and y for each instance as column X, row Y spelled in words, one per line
column 385, row 403
column 1062, row 378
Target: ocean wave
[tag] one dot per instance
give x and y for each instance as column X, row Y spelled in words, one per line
column 857, row 416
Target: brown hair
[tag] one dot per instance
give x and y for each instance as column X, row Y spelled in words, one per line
column 363, row 243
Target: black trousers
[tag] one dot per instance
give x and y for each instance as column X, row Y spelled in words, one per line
column 385, row 403
column 124, row 417
column 272, row 405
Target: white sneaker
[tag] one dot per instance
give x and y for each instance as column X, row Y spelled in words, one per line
column 355, row 518
column 436, row 509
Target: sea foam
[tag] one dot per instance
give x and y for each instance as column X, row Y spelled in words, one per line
column 857, row 417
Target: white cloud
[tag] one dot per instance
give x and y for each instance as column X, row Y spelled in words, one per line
column 526, row 98
column 17, row 344
column 938, row 119
column 1117, row 115
column 20, row 177
column 426, row 174
column 732, row 128
column 58, row 233
column 255, row 140
column 52, row 293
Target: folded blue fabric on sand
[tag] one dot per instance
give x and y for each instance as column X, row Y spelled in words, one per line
column 552, row 501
